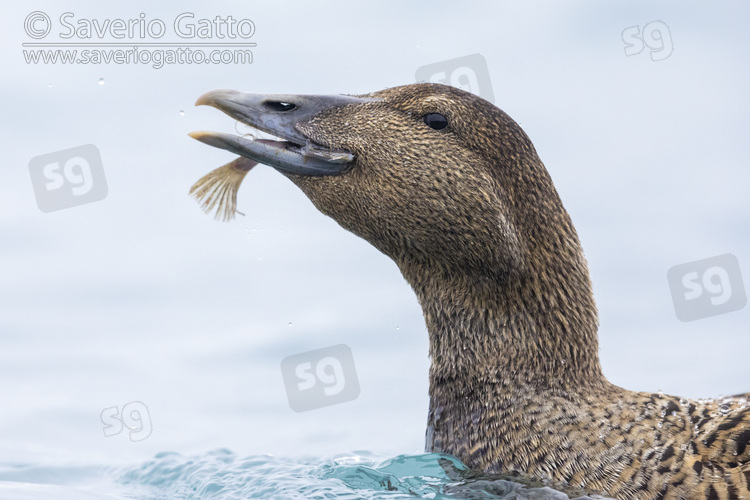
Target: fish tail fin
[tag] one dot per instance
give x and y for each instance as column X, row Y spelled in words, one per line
column 217, row 190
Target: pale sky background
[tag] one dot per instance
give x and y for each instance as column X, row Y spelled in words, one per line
column 142, row 297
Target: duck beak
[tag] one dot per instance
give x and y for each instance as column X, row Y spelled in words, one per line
column 279, row 115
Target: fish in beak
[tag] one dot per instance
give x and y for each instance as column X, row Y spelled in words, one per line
column 293, row 154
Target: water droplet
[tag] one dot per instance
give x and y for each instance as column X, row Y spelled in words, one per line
column 49, row 85
column 290, row 324
column 397, row 328
column 724, row 409
column 101, row 81
column 245, row 130
column 674, row 413
column 182, row 112
column 659, row 425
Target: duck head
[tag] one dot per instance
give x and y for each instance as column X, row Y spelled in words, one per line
column 452, row 189
column 427, row 173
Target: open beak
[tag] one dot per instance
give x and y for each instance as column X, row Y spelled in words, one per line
column 278, row 115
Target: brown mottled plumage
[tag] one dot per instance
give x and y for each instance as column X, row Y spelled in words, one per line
column 472, row 219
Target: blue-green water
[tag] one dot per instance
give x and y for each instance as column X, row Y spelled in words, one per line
column 223, row 475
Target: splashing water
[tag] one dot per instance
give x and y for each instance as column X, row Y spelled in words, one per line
column 222, row 475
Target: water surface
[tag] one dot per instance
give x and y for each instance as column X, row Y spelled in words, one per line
column 222, row 474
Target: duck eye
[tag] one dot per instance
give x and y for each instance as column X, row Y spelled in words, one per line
column 436, row 121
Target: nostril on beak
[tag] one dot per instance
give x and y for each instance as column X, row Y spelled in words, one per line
column 279, row 105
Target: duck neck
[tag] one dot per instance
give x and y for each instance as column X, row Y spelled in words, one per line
column 517, row 330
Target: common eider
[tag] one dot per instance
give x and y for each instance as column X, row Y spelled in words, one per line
column 451, row 188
